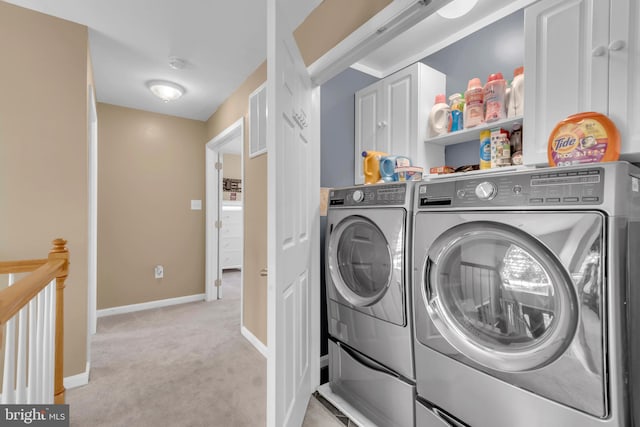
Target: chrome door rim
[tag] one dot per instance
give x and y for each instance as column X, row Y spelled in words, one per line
column 344, row 290
column 544, row 351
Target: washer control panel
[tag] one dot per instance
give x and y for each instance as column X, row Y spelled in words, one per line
column 369, row 195
column 574, row 186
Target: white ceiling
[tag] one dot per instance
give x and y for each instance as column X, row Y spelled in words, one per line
column 434, row 33
column 222, row 41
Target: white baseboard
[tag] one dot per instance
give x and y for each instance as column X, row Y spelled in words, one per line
column 324, row 361
column 148, row 305
column 77, row 380
column 255, row 341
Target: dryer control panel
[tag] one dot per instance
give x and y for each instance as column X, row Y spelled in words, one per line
column 579, row 186
column 369, row 195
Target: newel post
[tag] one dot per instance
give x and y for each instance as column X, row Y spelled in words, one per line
column 59, row 251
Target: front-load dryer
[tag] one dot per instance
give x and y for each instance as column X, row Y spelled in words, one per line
column 525, row 297
column 369, row 300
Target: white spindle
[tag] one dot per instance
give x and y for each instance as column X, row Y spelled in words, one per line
column 39, row 348
column 47, row 386
column 33, row 312
column 8, row 376
column 52, row 356
column 21, row 376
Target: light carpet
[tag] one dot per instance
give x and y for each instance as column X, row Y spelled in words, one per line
column 184, row 365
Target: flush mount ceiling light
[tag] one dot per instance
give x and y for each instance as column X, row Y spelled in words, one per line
column 457, row 8
column 167, row 91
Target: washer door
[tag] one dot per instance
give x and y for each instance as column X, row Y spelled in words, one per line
column 365, row 262
column 499, row 296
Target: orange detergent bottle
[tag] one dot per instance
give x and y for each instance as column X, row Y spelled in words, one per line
column 583, row 138
column 371, row 166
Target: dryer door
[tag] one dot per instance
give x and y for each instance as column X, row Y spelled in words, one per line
column 499, row 296
column 365, row 259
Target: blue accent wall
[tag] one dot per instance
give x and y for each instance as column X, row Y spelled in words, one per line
column 337, row 131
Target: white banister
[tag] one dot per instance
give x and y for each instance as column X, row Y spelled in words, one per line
column 21, row 370
column 28, row 375
column 8, row 376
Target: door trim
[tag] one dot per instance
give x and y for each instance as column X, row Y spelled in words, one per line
column 213, row 199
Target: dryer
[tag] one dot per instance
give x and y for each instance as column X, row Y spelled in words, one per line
column 369, row 300
column 525, row 294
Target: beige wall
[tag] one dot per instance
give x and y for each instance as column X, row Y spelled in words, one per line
column 43, row 153
column 150, row 166
column 333, row 22
column 314, row 40
column 232, row 166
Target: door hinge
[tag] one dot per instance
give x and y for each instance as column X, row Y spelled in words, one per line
column 218, row 166
column 218, row 224
column 218, row 283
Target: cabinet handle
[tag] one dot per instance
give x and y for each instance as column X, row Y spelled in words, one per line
column 264, row 272
column 379, row 124
column 384, row 123
column 599, row 51
column 617, row 45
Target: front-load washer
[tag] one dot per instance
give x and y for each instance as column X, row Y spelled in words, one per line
column 369, row 300
column 526, row 299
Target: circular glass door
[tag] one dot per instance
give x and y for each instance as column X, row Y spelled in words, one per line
column 499, row 296
column 360, row 261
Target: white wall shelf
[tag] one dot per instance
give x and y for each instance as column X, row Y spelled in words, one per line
column 472, row 134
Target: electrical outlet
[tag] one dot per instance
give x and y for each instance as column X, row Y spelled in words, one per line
column 159, row 272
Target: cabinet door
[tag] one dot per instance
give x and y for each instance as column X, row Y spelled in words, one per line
column 368, row 123
column 624, row 78
column 566, row 67
column 399, row 124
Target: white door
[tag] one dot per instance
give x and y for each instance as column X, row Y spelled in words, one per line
column 293, row 144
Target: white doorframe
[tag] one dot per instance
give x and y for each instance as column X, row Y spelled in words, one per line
column 93, row 218
column 213, row 198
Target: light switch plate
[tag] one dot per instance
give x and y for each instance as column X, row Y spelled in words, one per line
column 196, row 205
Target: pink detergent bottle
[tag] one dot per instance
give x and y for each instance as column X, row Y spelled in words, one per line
column 474, row 104
column 494, row 94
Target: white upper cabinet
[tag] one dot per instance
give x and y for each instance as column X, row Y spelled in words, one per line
column 391, row 116
column 580, row 55
column 623, row 51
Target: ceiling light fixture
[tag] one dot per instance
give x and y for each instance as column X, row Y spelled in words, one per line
column 457, row 8
column 167, row 91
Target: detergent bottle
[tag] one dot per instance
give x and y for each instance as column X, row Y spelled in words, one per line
column 474, row 104
column 439, row 116
column 494, row 94
column 371, row 165
column 516, row 99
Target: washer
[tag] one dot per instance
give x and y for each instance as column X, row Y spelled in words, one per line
column 526, row 296
column 369, row 300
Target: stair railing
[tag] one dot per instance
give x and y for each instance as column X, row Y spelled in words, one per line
column 32, row 328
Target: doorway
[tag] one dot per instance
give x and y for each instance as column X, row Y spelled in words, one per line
column 224, row 211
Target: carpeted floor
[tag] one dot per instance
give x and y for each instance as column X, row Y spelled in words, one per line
column 184, row 365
